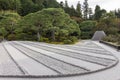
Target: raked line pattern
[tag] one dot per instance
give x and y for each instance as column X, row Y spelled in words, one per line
column 34, row 59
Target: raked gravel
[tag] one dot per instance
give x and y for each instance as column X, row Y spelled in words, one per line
column 28, row 63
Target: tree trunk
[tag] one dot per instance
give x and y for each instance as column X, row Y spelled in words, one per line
column 12, row 28
column 53, row 35
column 38, row 35
column 3, row 38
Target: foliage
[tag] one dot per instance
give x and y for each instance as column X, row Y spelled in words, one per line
column 50, row 23
column 9, row 20
column 109, row 24
column 71, row 10
column 85, row 9
column 10, row 5
column 11, row 37
column 77, row 19
column 110, row 38
column 113, row 38
column 8, row 23
column 54, row 25
column 24, row 7
column 68, row 42
column 3, row 33
column 98, row 12
column 43, row 39
column 117, row 13
column 90, row 13
column 78, row 9
column 73, row 39
column 29, row 6
column 118, row 39
column 87, row 29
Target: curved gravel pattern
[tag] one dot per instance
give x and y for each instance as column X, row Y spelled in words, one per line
column 88, row 50
column 57, row 51
column 86, row 57
column 54, row 63
column 63, row 62
column 74, row 61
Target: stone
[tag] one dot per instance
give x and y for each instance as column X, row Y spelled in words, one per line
column 98, row 35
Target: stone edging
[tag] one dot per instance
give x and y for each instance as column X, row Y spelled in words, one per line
column 109, row 44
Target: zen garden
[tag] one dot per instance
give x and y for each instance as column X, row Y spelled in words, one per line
column 59, row 40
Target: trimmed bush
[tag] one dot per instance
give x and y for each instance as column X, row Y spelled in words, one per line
column 43, row 39
column 110, row 38
column 87, row 29
column 68, row 42
column 73, row 39
column 118, row 39
column 1, row 38
column 11, row 37
column 24, row 36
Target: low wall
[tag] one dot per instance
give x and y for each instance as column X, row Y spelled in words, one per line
column 109, row 44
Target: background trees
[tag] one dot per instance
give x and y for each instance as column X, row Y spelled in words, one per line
column 40, row 20
column 24, row 7
column 108, row 23
column 29, row 6
column 85, row 9
column 10, row 5
column 99, row 12
column 73, row 12
column 117, row 13
column 78, row 9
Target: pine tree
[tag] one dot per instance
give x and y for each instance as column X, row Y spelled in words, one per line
column 45, row 3
column 90, row 13
column 78, row 9
column 85, row 9
column 72, row 11
column 98, row 12
column 66, row 4
column 61, row 4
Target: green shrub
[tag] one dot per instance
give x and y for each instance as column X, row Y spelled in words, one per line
column 110, row 38
column 62, row 39
column 41, row 39
column 21, row 36
column 118, row 39
column 68, row 42
column 87, row 29
column 11, row 37
column 112, row 31
column 24, row 36
column 73, row 39
column 113, row 38
column 1, row 38
column 118, row 42
column 45, row 39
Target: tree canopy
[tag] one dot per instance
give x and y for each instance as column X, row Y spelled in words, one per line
column 24, row 7
column 50, row 23
column 87, row 29
column 8, row 22
column 48, row 20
